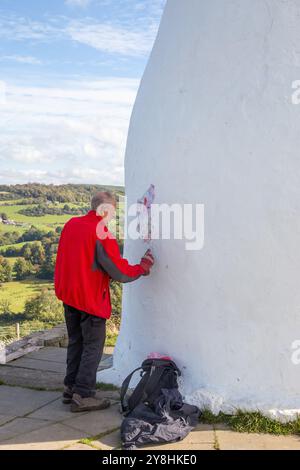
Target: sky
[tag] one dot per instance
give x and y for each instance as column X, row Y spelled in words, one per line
column 69, row 74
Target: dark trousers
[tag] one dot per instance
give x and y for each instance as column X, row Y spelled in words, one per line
column 85, row 348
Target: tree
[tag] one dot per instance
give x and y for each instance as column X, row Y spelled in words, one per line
column 44, row 307
column 37, row 253
column 46, row 270
column 116, row 303
column 34, row 252
column 26, row 251
column 22, row 268
column 32, row 234
column 5, row 270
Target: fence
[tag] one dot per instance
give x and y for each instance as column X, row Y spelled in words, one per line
column 15, row 331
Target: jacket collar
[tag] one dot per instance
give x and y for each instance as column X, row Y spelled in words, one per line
column 94, row 215
column 97, row 218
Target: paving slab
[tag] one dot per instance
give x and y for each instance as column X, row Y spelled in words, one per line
column 106, row 363
column 111, row 441
column 19, row 426
column 49, row 354
column 202, row 438
column 37, row 364
column 51, row 437
column 113, row 395
column 6, row 418
column 44, row 368
column 229, row 440
column 54, row 412
column 109, row 350
column 21, row 401
column 57, row 411
column 180, row 446
column 202, row 434
column 80, row 447
column 31, row 378
column 55, row 354
column 97, row 422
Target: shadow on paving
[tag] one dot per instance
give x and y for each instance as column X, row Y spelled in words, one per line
column 43, row 369
column 32, row 419
column 37, row 420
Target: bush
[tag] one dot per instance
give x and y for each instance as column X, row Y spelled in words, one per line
column 47, row 268
column 22, row 269
column 5, row 270
column 41, row 210
column 44, row 307
column 116, row 303
column 5, row 309
column 34, row 252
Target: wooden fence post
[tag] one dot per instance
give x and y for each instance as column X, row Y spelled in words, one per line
column 18, row 330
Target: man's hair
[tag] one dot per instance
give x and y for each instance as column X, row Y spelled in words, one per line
column 103, row 197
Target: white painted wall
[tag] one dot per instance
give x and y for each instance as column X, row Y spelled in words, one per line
column 213, row 123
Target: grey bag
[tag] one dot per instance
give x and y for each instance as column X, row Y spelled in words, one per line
column 168, row 420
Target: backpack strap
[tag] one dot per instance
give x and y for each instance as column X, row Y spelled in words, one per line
column 156, row 373
column 124, row 389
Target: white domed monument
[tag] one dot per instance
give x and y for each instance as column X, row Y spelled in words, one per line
column 215, row 123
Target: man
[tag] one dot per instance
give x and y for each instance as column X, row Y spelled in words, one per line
column 88, row 258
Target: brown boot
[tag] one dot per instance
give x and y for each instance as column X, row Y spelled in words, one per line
column 79, row 403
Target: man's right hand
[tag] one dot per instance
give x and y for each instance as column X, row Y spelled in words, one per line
column 147, row 262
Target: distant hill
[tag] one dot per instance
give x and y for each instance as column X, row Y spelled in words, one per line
column 69, row 193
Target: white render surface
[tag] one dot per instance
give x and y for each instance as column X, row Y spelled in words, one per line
column 214, row 123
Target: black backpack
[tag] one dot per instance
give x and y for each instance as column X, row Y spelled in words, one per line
column 156, row 374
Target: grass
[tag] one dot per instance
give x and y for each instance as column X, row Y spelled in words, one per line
column 32, row 387
column 18, row 246
column 11, row 261
column 88, row 441
column 252, row 423
column 36, row 223
column 27, row 327
column 46, row 222
column 111, row 339
column 17, row 292
column 107, row 387
column 13, row 213
column 12, row 228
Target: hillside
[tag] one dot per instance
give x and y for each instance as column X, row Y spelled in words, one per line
column 31, row 219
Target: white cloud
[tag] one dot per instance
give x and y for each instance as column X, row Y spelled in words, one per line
column 17, row 28
column 21, row 59
column 22, row 150
column 112, row 38
column 75, row 132
column 124, row 39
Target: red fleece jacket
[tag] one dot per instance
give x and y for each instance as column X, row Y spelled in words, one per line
column 85, row 264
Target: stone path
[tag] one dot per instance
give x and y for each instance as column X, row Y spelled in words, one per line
column 33, row 419
column 43, row 369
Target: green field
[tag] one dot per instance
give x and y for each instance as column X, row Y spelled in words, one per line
column 46, row 222
column 11, row 228
column 17, row 292
column 14, row 294
column 15, row 245
column 12, row 261
column 13, row 213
